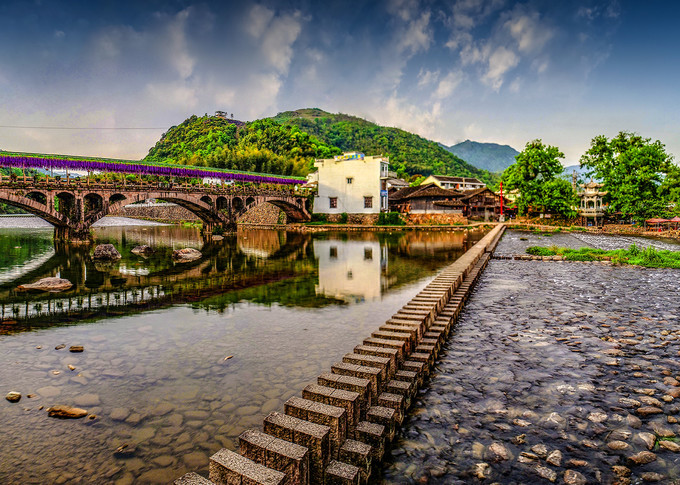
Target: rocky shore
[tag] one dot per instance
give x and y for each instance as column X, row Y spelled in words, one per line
column 556, row 373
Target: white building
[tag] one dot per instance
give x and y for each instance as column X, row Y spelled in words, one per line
column 458, row 183
column 353, row 183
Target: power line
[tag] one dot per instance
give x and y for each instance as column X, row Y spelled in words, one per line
column 81, row 128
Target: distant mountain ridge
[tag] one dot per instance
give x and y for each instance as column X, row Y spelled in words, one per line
column 487, row 156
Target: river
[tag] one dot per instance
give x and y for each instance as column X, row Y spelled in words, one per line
column 179, row 359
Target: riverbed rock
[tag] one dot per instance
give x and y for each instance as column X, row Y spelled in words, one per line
column 648, row 410
column 651, row 477
column 647, row 438
column 572, row 477
column 554, row 458
column 545, row 472
column 142, row 250
column 642, row 458
column 106, row 252
column 482, row 470
column 670, row 446
column 47, row 284
column 498, row 452
column 618, row 445
column 13, row 396
column 186, row 255
column 76, row 349
column 66, row 412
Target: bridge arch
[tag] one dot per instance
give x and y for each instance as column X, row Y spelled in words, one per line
column 294, row 212
column 237, row 204
column 36, row 208
column 37, row 196
column 116, row 198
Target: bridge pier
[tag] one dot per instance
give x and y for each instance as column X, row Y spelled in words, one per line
column 72, row 235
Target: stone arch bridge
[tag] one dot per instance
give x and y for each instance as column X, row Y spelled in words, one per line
column 73, row 207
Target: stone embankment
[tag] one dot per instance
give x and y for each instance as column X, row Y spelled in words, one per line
column 341, row 425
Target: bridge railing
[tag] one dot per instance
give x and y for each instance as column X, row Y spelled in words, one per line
column 54, row 183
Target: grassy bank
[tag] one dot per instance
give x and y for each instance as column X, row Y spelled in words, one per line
column 649, row 257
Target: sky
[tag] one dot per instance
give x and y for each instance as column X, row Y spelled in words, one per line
column 486, row 70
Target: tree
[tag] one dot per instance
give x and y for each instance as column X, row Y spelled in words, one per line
column 536, row 176
column 637, row 173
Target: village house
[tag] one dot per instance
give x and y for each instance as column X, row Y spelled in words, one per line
column 351, row 183
column 591, row 209
column 458, row 183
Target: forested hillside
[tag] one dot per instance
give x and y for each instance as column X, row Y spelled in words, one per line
column 409, row 154
column 288, row 143
column 259, row 146
column 488, row 156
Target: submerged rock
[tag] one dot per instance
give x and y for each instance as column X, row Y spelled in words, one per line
column 66, row 412
column 106, row 252
column 13, row 396
column 186, row 255
column 47, row 284
column 142, row 250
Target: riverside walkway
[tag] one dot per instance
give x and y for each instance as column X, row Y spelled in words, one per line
column 337, row 431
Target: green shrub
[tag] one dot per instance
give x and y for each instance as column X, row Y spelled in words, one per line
column 343, row 218
column 390, row 219
column 578, row 256
column 319, row 218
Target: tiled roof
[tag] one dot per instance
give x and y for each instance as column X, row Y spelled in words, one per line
column 429, row 190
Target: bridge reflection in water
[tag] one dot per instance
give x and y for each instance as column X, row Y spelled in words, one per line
column 257, row 265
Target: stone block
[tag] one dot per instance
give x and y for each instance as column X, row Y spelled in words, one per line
column 390, row 344
column 382, row 363
column 230, row 468
column 192, row 479
column 373, row 374
column 277, row 454
column 338, row 473
column 393, row 401
column 393, row 354
column 372, row 434
column 315, row 437
column 348, row 400
column 349, row 383
column 332, row 416
column 358, row 454
column 385, row 417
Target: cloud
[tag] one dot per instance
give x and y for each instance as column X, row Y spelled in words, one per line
column 417, row 35
column 176, row 94
column 500, row 61
column 258, row 20
column 403, row 9
column 447, row 85
column 179, row 54
column 278, row 40
column 527, row 30
column 426, row 78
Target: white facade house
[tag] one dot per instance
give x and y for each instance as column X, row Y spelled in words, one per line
column 458, row 183
column 353, row 183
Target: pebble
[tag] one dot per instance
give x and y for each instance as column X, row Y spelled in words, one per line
column 642, row 458
column 76, row 348
column 649, row 410
column 669, row 445
column 13, row 396
column 651, row 477
column 618, row 445
column 482, row 470
column 545, row 472
column 572, row 477
column 498, row 452
column 554, row 458
column 647, row 438
column 66, row 412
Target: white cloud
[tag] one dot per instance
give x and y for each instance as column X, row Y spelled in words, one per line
column 501, row 61
column 527, row 30
column 515, row 85
column 278, row 40
column 447, row 85
column 426, row 78
column 258, row 20
column 176, row 94
column 404, row 9
column 59, row 34
column 417, row 36
column 179, row 54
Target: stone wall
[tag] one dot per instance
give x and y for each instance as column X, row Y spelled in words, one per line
column 362, row 219
column 162, row 212
column 435, row 219
column 263, row 214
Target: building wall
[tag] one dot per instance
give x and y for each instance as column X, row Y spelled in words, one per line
column 467, row 185
column 333, row 174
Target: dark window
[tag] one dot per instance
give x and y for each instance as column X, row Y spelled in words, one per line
column 333, row 252
column 350, row 180
column 333, row 201
column 368, row 202
column 368, row 253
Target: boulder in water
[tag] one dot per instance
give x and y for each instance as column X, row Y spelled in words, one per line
column 47, row 284
column 66, row 412
column 106, row 252
column 186, row 255
column 142, row 250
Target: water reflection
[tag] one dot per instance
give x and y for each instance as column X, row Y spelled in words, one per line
column 156, row 335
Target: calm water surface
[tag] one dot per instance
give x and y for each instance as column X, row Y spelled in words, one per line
column 180, row 359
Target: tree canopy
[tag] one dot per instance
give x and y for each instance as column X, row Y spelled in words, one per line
column 638, row 175
column 536, row 177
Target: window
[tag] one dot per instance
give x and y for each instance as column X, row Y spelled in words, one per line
column 368, row 202
column 368, row 253
column 333, row 202
column 350, row 180
column 333, row 253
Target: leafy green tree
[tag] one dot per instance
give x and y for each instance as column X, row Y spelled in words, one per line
column 536, row 176
column 638, row 174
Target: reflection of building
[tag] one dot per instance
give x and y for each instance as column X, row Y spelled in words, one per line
column 458, row 183
column 591, row 209
column 351, row 270
column 351, row 183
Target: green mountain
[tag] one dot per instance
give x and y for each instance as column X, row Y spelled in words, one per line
column 409, row 154
column 258, row 146
column 288, row 143
column 488, row 156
